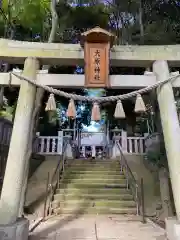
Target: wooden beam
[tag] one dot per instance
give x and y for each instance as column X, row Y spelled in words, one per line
column 78, row 81
column 72, row 54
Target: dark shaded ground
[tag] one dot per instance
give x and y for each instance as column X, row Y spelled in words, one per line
column 159, row 222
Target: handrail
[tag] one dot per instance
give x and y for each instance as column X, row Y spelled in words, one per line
column 45, row 202
column 62, row 158
column 125, row 162
column 50, row 188
column 132, row 183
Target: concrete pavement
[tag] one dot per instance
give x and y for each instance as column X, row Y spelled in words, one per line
column 97, row 228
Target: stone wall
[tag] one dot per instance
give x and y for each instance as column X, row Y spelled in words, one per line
column 36, row 189
column 151, row 182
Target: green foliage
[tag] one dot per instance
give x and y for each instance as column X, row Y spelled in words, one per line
column 79, row 19
column 87, row 17
column 158, row 158
column 33, row 12
column 25, row 16
column 156, row 153
column 159, row 21
column 6, row 114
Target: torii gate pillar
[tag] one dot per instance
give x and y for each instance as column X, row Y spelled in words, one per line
column 170, row 127
column 10, row 225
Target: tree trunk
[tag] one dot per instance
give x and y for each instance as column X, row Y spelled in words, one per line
column 141, row 26
column 35, row 118
column 165, row 192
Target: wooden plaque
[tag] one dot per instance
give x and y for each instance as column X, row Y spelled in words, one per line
column 97, row 43
column 96, row 64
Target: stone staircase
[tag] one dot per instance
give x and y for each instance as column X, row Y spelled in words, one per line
column 95, row 187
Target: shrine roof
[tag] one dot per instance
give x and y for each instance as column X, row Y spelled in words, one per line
column 98, row 34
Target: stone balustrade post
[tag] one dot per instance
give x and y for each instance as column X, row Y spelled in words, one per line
column 124, row 141
column 60, row 142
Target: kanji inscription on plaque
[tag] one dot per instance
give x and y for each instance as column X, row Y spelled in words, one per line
column 97, row 65
column 97, row 43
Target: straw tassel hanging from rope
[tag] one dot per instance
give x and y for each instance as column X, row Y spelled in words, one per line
column 71, row 111
column 51, row 103
column 139, row 105
column 119, row 111
column 96, row 114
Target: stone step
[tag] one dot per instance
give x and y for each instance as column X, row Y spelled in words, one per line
column 96, row 187
column 93, row 162
column 83, row 191
column 94, row 210
column 94, row 174
column 92, row 185
column 93, row 167
column 92, row 196
column 96, row 203
column 92, row 180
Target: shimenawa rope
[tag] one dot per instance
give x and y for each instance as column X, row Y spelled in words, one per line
column 95, row 99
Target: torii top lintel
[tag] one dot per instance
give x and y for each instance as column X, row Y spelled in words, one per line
column 97, row 43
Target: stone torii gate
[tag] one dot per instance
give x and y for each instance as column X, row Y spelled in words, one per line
column 34, row 54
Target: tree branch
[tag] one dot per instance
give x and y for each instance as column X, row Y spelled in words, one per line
column 54, row 22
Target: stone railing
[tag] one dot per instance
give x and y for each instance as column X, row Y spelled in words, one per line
column 53, row 145
column 129, row 145
column 135, row 145
column 49, row 145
